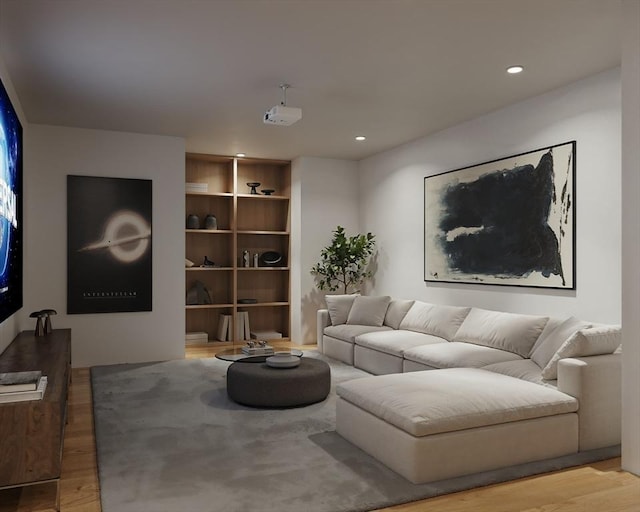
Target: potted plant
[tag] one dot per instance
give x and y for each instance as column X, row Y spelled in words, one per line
column 344, row 263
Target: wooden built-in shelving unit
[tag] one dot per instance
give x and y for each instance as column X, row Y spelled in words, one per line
column 254, row 222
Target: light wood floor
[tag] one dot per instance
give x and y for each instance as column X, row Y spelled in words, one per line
column 599, row 487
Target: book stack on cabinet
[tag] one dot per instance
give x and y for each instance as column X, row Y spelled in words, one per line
column 234, row 262
column 22, row 386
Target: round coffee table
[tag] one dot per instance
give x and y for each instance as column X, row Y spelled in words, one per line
column 260, row 385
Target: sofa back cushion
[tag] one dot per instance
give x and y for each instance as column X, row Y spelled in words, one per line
column 505, row 331
column 551, row 340
column 552, row 323
column 368, row 310
column 434, row 319
column 339, row 307
column 595, row 341
column 396, row 312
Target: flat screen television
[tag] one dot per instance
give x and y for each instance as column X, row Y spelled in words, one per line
column 10, row 208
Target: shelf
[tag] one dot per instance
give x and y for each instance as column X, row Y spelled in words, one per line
column 214, row 344
column 208, row 306
column 211, row 194
column 217, row 344
column 244, row 269
column 263, row 304
column 210, row 231
column 263, row 196
column 262, row 232
column 206, row 269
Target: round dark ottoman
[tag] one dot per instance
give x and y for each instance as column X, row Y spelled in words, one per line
column 259, row 385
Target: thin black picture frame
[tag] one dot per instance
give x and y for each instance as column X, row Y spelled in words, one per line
column 109, row 245
column 525, row 180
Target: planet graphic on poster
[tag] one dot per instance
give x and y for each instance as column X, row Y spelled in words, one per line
column 126, row 236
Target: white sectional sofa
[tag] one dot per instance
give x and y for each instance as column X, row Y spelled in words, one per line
column 458, row 390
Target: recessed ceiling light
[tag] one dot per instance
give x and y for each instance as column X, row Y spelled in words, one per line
column 514, row 70
column 240, row 155
column 361, row 137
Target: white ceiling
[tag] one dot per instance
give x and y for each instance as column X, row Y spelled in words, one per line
column 393, row 70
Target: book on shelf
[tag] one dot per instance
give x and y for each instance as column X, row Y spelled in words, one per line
column 196, row 187
column 19, row 381
column 247, row 329
column 266, row 335
column 196, row 337
column 243, row 331
column 23, row 396
column 240, row 326
column 224, row 322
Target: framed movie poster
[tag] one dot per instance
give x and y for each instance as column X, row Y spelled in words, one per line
column 108, row 245
column 507, row 222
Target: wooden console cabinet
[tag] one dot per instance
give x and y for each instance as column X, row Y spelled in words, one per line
column 32, row 433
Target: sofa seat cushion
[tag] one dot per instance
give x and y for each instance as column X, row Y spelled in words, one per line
column 458, row 355
column 348, row 333
column 396, row 342
column 524, row 369
column 437, row 401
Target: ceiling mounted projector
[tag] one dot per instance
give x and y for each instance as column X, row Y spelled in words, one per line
column 281, row 115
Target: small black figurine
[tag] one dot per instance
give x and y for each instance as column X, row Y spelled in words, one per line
column 47, row 322
column 39, row 331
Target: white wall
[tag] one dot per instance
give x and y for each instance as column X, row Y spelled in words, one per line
column 9, row 328
column 51, row 154
column 631, row 236
column 391, row 187
column 325, row 195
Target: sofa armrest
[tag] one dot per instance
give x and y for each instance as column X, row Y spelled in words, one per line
column 596, row 382
column 323, row 321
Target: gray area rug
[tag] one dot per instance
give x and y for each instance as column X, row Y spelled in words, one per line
column 170, row 440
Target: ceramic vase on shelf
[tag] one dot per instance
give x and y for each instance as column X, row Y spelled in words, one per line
column 210, row 222
column 193, row 222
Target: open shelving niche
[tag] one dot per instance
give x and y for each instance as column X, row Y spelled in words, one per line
column 253, row 222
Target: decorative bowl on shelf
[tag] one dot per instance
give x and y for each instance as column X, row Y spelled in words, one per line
column 268, row 191
column 271, row 259
column 253, row 186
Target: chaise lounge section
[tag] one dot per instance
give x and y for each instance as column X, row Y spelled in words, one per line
column 461, row 390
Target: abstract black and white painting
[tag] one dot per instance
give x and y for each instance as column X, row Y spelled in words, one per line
column 108, row 245
column 507, row 222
